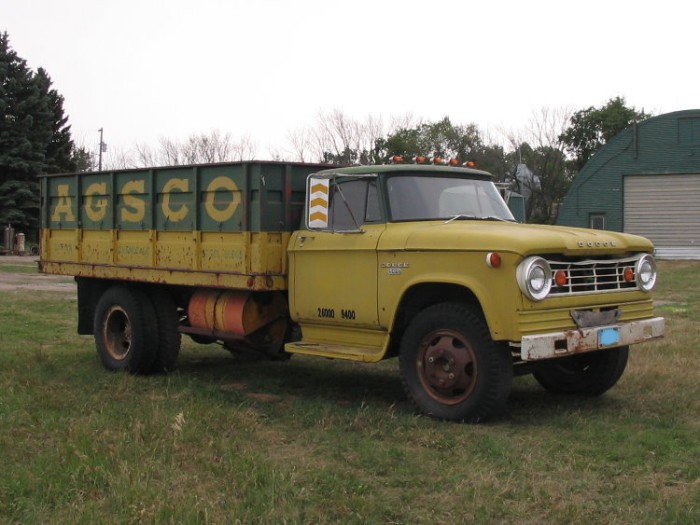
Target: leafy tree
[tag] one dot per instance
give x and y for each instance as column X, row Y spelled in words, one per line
column 592, row 127
column 543, row 177
column 496, row 160
column 434, row 139
column 83, row 159
column 345, row 157
column 448, row 141
column 34, row 137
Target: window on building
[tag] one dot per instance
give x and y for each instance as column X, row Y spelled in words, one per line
column 597, row 221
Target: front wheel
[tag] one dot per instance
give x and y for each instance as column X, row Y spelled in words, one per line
column 589, row 374
column 451, row 368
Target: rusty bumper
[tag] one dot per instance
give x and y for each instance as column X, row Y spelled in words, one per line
column 560, row 344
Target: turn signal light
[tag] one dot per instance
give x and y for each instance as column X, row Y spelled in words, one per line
column 493, row 260
column 560, row 278
column 628, row 274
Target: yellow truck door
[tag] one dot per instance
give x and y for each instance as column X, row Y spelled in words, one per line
column 334, row 279
column 333, row 267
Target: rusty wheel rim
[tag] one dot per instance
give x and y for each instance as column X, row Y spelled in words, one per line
column 447, row 366
column 117, row 333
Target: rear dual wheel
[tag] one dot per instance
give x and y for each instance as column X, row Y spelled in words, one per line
column 169, row 337
column 136, row 333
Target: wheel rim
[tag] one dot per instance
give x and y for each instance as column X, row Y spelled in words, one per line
column 447, row 366
column 117, row 333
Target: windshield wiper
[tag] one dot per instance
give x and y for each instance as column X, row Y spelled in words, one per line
column 476, row 218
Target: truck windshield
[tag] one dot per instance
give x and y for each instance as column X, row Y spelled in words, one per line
column 425, row 197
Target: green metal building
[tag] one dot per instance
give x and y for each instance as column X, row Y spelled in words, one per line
column 646, row 181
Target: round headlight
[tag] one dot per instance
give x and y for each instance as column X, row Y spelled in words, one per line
column 534, row 277
column 645, row 272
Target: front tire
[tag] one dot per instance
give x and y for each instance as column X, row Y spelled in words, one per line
column 589, row 374
column 125, row 330
column 451, row 368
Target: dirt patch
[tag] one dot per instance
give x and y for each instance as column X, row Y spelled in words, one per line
column 262, row 397
column 15, row 259
column 39, row 282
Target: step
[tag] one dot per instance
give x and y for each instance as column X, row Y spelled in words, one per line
column 348, row 352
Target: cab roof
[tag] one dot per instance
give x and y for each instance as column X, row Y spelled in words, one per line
column 399, row 168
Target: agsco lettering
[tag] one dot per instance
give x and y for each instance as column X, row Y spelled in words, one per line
column 222, row 200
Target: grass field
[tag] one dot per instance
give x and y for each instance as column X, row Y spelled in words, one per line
column 225, row 440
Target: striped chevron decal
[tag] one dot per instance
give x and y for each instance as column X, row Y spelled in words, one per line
column 318, row 203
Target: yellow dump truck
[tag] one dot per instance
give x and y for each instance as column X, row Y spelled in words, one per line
column 364, row 263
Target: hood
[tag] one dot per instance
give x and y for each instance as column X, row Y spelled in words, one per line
column 524, row 239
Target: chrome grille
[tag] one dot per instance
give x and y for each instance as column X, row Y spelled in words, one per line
column 593, row 276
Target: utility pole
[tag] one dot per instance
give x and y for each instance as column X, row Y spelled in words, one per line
column 103, row 148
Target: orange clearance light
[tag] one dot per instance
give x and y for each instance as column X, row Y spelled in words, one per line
column 437, row 160
column 454, row 162
column 470, row 164
column 493, row 260
column 561, row 278
column 420, row 159
column 396, row 159
column 628, row 274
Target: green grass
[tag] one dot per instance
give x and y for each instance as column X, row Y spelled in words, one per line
column 226, row 440
column 18, row 267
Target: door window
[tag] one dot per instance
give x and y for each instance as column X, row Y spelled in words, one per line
column 353, row 203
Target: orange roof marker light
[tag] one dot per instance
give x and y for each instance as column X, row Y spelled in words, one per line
column 437, row 160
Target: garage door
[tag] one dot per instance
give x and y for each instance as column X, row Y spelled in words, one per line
column 666, row 209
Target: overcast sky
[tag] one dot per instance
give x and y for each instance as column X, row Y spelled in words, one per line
column 145, row 69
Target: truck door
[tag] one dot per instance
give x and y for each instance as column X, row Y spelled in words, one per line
column 333, row 264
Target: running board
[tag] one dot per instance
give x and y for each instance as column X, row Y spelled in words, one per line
column 348, row 352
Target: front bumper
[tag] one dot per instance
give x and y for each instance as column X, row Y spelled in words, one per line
column 560, row 344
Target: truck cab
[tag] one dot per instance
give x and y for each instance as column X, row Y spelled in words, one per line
column 427, row 263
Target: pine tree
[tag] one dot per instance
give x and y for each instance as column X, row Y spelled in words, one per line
column 34, row 138
column 16, row 96
column 60, row 148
